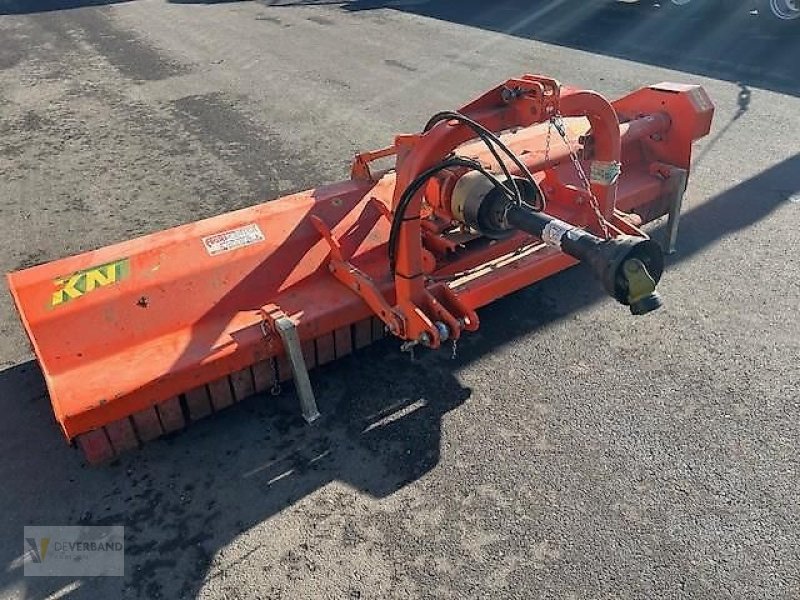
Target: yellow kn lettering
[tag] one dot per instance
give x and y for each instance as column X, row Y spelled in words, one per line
column 78, row 284
column 69, row 289
column 99, row 277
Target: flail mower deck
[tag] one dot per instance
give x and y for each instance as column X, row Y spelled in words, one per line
column 138, row 338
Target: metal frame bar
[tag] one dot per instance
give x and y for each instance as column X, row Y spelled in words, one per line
column 291, row 342
column 681, row 177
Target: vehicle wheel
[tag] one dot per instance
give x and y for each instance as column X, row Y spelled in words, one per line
column 783, row 10
column 779, row 15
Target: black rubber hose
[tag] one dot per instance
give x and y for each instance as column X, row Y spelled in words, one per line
column 490, row 139
column 483, row 134
column 416, row 185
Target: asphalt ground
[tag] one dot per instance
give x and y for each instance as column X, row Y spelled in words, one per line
column 569, row 451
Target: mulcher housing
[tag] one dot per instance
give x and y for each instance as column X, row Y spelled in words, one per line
column 135, row 338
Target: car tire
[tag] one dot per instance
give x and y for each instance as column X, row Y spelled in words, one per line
column 779, row 14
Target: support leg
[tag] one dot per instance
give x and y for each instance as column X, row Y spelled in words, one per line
column 680, row 177
column 291, row 342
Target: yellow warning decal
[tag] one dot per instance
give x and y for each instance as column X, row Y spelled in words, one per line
column 70, row 287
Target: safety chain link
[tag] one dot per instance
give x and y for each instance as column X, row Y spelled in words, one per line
column 557, row 121
column 275, row 390
column 549, row 135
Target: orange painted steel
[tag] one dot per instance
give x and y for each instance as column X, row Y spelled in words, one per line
column 137, row 338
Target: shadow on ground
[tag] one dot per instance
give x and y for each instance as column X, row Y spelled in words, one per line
column 185, row 497
column 23, row 7
column 726, row 43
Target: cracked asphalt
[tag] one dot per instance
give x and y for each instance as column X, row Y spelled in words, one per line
column 569, row 451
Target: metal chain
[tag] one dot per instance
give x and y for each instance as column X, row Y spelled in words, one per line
column 549, row 135
column 275, row 390
column 453, row 356
column 558, row 122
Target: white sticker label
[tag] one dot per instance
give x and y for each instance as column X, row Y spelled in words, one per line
column 226, row 241
column 554, row 231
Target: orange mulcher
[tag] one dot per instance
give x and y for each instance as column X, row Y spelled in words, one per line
column 138, row 338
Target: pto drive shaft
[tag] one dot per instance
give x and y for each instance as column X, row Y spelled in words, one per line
column 629, row 267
